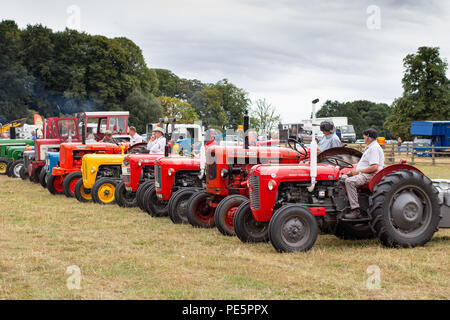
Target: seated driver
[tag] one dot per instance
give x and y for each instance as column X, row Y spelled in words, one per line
column 329, row 139
column 371, row 162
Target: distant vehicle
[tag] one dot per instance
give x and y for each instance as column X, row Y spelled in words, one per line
column 359, row 141
column 391, row 142
column 347, row 133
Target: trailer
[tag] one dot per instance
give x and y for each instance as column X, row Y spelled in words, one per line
column 429, row 134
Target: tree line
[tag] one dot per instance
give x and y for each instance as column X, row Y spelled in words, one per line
column 61, row 73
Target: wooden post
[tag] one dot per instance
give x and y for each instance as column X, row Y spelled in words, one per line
column 412, row 154
column 433, row 154
column 393, row 153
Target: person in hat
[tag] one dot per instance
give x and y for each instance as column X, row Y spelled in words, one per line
column 157, row 142
column 108, row 137
column 329, row 139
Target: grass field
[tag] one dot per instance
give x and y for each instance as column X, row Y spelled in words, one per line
column 126, row 254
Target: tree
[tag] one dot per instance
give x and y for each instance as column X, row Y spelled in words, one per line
column 264, row 116
column 143, row 110
column 207, row 104
column 174, row 107
column 234, row 101
column 426, row 92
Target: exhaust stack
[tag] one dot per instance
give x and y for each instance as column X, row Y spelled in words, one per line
column 313, row 152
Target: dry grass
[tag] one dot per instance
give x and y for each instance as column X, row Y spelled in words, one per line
column 125, row 254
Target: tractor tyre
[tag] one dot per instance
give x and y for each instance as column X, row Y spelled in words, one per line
column 405, row 209
column 225, row 212
column 200, row 214
column 124, row 198
column 293, row 228
column 103, row 191
column 152, row 205
column 8, row 169
column 55, row 184
column 15, row 168
column 348, row 231
column 43, row 177
column 141, row 191
column 178, row 205
column 35, row 175
column 246, row 228
column 3, row 165
column 82, row 194
column 23, row 174
column 69, row 183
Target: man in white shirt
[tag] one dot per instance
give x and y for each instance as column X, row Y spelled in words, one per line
column 371, row 162
column 135, row 138
column 157, row 142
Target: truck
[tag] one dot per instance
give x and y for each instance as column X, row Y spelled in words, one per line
column 431, row 133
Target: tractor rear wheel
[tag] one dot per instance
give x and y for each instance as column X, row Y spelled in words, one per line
column 293, row 228
column 43, row 177
column 124, row 198
column 247, row 229
column 152, row 205
column 82, row 194
column 178, row 205
column 15, row 168
column 69, row 183
column 405, row 209
column 199, row 212
column 55, row 184
column 103, row 191
column 140, row 192
column 225, row 212
column 3, row 165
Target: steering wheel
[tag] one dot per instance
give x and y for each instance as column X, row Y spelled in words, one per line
column 303, row 154
column 336, row 159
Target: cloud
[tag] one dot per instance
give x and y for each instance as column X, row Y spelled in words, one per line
column 288, row 51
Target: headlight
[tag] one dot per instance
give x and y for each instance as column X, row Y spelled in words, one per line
column 271, row 185
column 169, row 172
column 223, row 173
column 92, row 170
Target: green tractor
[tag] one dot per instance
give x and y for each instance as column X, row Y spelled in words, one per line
column 11, row 155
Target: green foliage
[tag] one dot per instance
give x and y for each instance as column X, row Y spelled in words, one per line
column 143, row 110
column 207, row 104
column 426, row 94
column 175, row 108
column 263, row 116
column 362, row 114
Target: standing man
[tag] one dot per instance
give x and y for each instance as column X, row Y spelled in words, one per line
column 370, row 163
column 210, row 137
column 135, row 138
column 157, row 142
column 329, row 139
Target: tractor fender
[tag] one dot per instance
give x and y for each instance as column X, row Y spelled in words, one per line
column 388, row 170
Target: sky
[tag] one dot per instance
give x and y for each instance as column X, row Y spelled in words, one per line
column 286, row 51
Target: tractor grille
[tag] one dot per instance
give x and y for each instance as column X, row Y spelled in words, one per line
column 254, row 195
column 158, row 176
column 212, row 171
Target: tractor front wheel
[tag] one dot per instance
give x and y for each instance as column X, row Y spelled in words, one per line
column 225, row 212
column 82, row 194
column 23, row 174
column 293, row 228
column 35, row 175
column 405, row 209
column 140, row 192
column 199, row 213
column 43, row 177
column 3, row 165
column 247, row 229
column 152, row 205
column 178, row 205
column 55, row 184
column 124, row 198
column 15, row 168
column 69, row 183
column 103, row 191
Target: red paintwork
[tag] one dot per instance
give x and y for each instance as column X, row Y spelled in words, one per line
column 317, row 211
column 137, row 162
column 285, row 173
column 175, row 164
column 71, row 155
column 388, row 170
column 222, row 187
column 58, row 183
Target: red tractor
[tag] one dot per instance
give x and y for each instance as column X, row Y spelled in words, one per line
column 227, row 170
column 176, row 179
column 55, row 132
column 290, row 203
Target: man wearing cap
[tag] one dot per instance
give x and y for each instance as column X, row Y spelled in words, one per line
column 157, row 142
column 135, row 138
column 108, row 137
column 329, row 139
column 371, row 162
